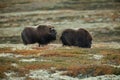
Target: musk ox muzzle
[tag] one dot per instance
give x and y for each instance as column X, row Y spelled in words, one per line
column 42, row 35
column 80, row 38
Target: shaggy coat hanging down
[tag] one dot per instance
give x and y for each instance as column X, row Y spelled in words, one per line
column 80, row 38
column 42, row 35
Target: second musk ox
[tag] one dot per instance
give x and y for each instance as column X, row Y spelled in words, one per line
column 80, row 38
column 42, row 35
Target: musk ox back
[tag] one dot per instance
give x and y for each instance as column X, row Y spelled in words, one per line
column 42, row 35
column 80, row 38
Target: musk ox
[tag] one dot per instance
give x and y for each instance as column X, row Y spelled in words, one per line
column 80, row 38
column 42, row 35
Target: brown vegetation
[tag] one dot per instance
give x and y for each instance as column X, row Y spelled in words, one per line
column 91, row 70
column 58, row 54
column 5, row 50
column 21, row 52
column 74, row 61
column 27, row 52
column 111, row 56
column 5, row 66
column 38, row 66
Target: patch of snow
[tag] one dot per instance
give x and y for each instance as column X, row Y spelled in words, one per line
column 8, row 74
column 22, row 47
column 97, row 57
column 104, row 77
column 39, row 74
column 42, row 60
column 14, row 65
column 58, row 76
column 46, row 75
column 67, row 47
column 115, row 66
column 28, row 60
column 10, row 55
column 34, row 60
column 18, row 56
column 15, row 78
column 6, row 55
column 16, row 46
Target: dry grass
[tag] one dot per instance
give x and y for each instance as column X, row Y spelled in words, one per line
column 111, row 56
column 75, row 61
column 91, row 70
column 5, row 50
column 27, row 52
column 38, row 66
column 21, row 52
column 2, row 70
column 58, row 54
column 5, row 66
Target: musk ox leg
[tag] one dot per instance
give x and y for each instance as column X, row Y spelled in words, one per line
column 39, row 45
column 88, row 45
column 84, row 44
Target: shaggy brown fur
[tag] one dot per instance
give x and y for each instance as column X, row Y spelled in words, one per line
column 80, row 38
column 42, row 34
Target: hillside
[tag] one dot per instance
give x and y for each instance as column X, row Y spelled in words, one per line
column 33, row 5
column 54, row 61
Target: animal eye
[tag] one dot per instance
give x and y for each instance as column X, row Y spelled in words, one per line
column 52, row 28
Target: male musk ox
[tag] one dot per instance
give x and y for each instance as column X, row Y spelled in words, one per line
column 42, row 35
column 80, row 38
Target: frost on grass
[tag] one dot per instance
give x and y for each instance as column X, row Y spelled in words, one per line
column 108, row 45
column 15, row 46
column 104, row 77
column 10, row 55
column 46, row 75
column 97, row 57
column 54, row 55
column 10, row 76
column 34, row 60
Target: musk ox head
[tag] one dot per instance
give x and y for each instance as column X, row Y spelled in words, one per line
column 80, row 38
column 43, row 34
